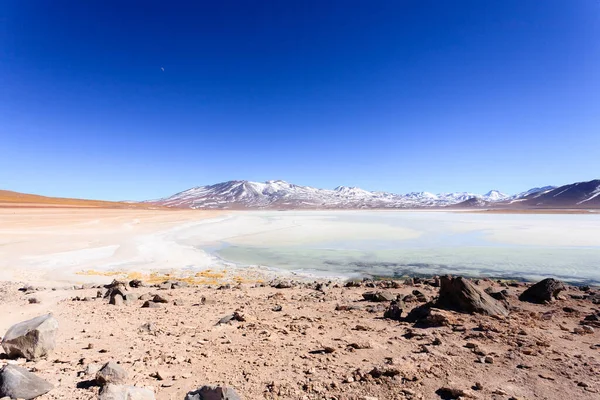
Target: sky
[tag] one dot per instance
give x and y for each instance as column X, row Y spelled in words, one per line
column 128, row 100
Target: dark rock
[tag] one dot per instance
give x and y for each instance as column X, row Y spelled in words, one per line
column 394, row 311
column 115, row 287
column 421, row 298
column 159, row 299
column 31, row 339
column 447, row 393
column 459, row 294
column 389, row 372
column 379, row 296
column 353, row 283
column 18, row 383
column 282, row 284
column 213, row 392
column 150, row 304
column 136, row 283
column 543, row 291
column 502, row 295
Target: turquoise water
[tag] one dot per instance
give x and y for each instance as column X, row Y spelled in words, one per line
column 407, row 243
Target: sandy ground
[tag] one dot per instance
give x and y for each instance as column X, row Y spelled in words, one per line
column 314, row 348
column 49, row 246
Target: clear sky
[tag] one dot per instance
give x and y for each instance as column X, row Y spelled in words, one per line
column 396, row 95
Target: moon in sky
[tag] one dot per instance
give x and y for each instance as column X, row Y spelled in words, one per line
column 162, row 69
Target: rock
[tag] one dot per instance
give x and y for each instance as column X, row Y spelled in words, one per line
column 394, row 311
column 502, row 295
column 111, row 372
column 148, row 327
column 282, row 284
column 420, row 296
column 92, row 369
column 360, row 345
column 125, row 392
column 543, row 291
column 210, row 392
column 33, row 300
column 130, row 297
column 114, row 288
column 448, row 393
column 116, row 300
column 379, row 296
column 159, row 299
column 584, row 330
column 460, row 294
column 150, row 304
column 31, row 339
column 389, row 372
column 427, row 316
column 135, row 283
column 18, row 383
column 277, row 308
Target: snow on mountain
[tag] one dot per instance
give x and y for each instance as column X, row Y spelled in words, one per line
column 535, row 191
column 494, row 195
column 279, row 194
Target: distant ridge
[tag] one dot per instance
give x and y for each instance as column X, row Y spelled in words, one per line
column 15, row 199
column 278, row 194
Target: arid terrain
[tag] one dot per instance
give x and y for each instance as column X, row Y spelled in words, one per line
column 315, row 341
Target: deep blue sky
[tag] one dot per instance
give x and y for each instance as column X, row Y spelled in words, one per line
column 386, row 95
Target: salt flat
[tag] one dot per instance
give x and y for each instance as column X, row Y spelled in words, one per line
column 57, row 244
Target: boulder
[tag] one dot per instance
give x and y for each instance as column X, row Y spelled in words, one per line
column 125, row 392
column 282, row 284
column 394, row 311
column 111, row 372
column 543, row 291
column 460, row 294
column 135, row 283
column 159, row 299
column 426, row 316
column 378, row 296
column 31, row 339
column 114, row 288
column 18, row 383
column 116, row 299
column 211, row 392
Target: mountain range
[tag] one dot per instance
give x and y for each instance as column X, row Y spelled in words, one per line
column 278, row 194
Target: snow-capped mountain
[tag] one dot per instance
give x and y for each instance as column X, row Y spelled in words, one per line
column 283, row 195
column 575, row 195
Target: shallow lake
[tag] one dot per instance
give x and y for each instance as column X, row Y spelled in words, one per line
column 396, row 243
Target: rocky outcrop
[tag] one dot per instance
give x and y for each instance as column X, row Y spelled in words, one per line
column 460, row 294
column 125, row 392
column 18, row 383
column 210, row 392
column 543, row 291
column 31, row 339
